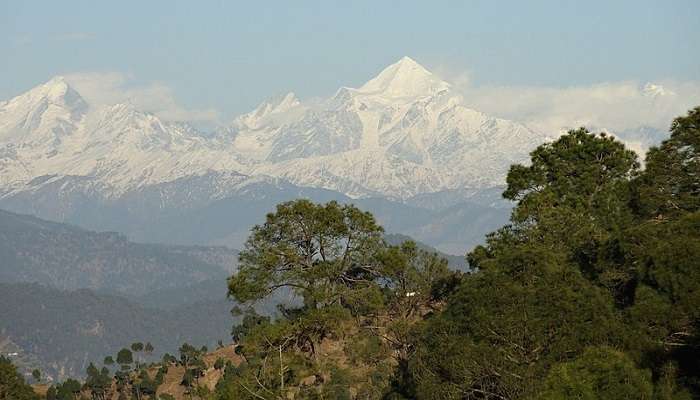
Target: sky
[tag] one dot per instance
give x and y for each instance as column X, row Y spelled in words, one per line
column 211, row 60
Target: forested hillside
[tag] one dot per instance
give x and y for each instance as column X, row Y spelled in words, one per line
column 67, row 257
column 136, row 291
column 59, row 332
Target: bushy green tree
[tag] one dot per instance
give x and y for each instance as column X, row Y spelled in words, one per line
column 600, row 373
column 314, row 250
column 125, row 358
column 670, row 184
column 68, row 390
column 586, row 217
column 188, row 354
column 169, row 359
column 98, row 382
column 507, row 325
column 334, row 259
column 579, row 172
column 143, row 385
column 148, row 348
column 51, row 393
column 322, row 253
column 574, row 197
column 137, row 347
column 12, row 385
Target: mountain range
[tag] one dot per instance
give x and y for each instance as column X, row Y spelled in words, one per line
column 404, row 145
column 401, row 137
column 402, row 133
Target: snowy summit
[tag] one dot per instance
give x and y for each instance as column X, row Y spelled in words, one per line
column 403, row 133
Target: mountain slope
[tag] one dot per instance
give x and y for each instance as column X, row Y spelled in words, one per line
column 66, row 257
column 61, row 331
column 187, row 211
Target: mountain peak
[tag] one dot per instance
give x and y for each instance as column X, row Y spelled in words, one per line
column 57, row 90
column 405, row 78
column 654, row 90
column 56, row 81
column 278, row 104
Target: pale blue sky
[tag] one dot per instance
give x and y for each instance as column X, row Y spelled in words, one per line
column 229, row 56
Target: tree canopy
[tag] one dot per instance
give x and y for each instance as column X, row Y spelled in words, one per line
column 598, row 253
column 12, row 384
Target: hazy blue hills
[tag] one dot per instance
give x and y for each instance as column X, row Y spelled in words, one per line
column 70, row 295
column 67, row 257
column 60, row 331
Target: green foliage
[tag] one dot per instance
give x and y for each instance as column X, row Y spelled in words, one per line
column 507, row 325
column 570, row 172
column 586, row 218
column 599, row 373
column 169, row 359
column 68, row 390
column 188, row 354
column 573, row 188
column 667, row 387
column 670, row 185
column 414, row 277
column 137, row 346
column 125, row 357
column 574, row 196
column 51, row 393
column 667, row 255
column 98, row 381
column 592, row 291
column 160, row 375
column 367, row 349
column 338, row 386
column 191, row 359
column 312, row 249
column 12, row 385
column 144, row 385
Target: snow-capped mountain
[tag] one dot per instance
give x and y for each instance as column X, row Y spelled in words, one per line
column 401, row 134
column 400, row 140
column 50, row 130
